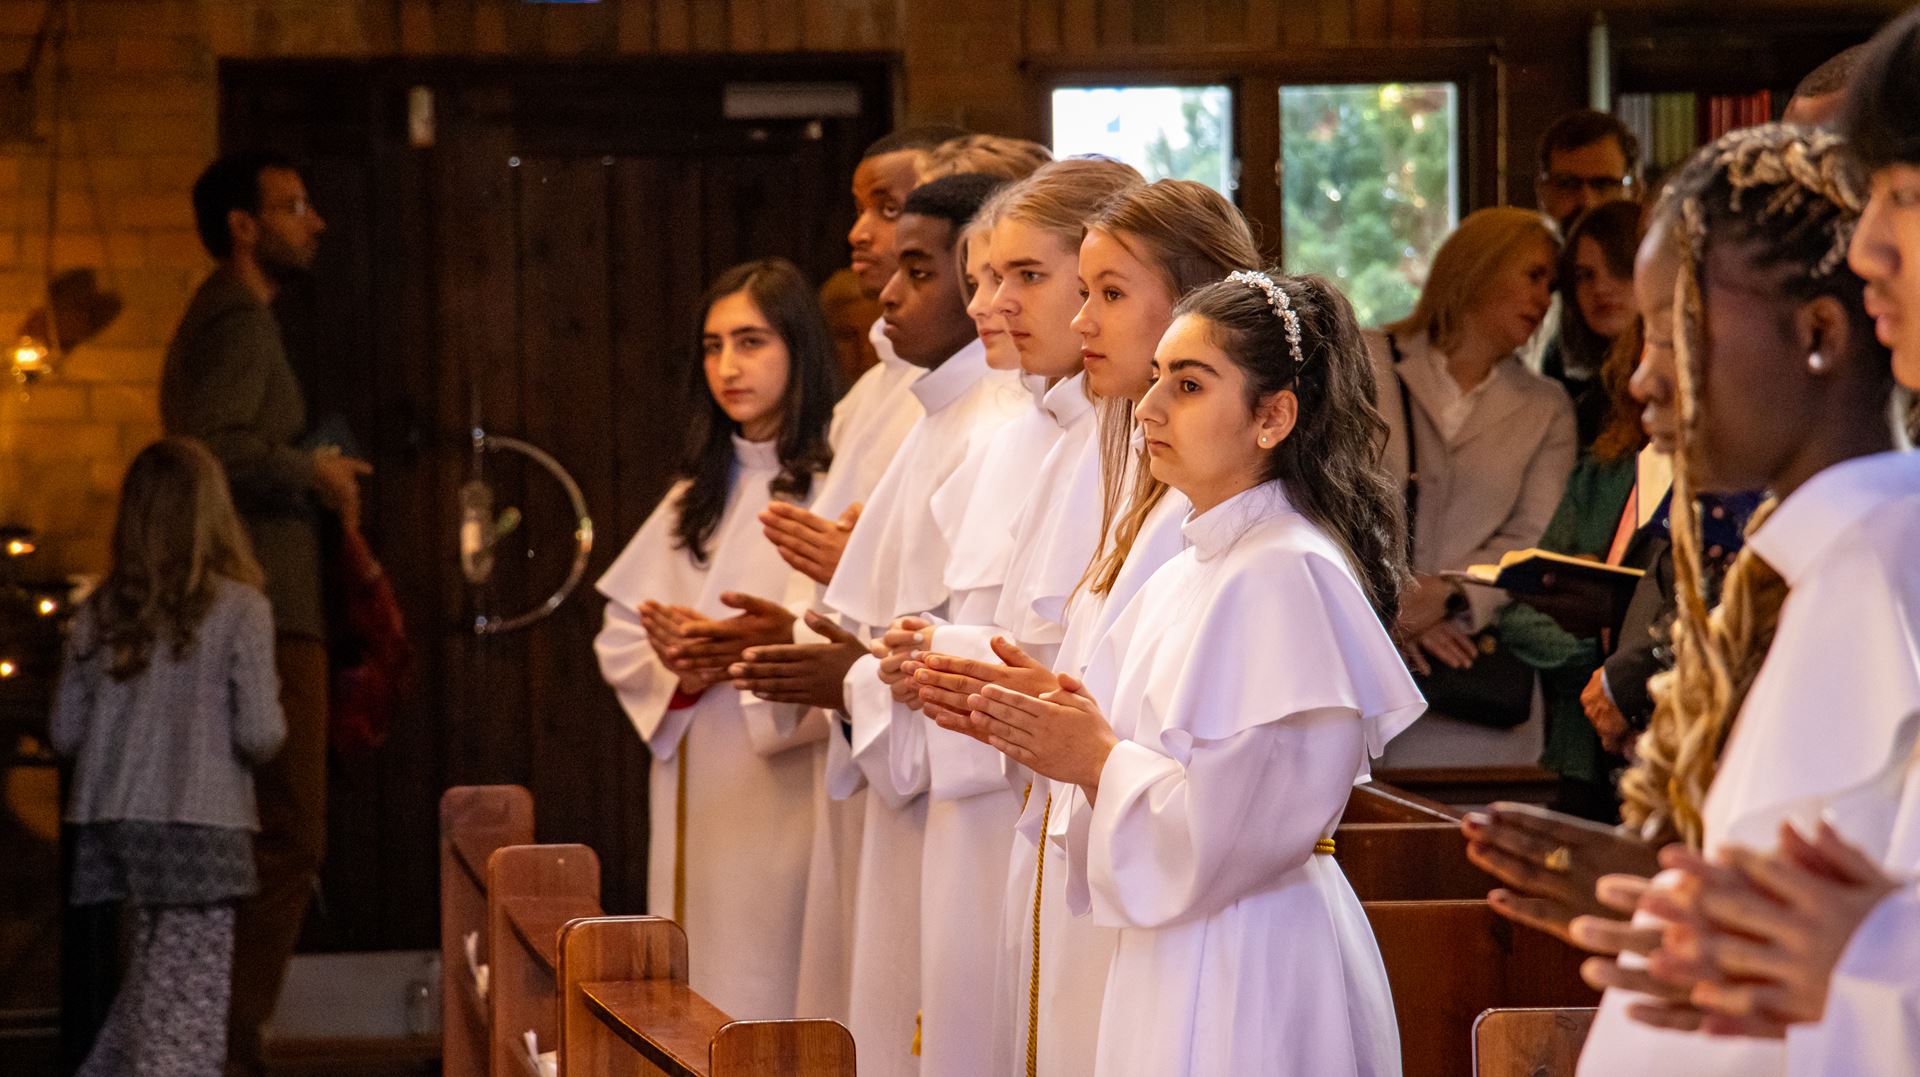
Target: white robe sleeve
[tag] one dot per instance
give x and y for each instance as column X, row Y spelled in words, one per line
column 1872, row 1026
column 1168, row 842
column 643, row 684
column 870, row 717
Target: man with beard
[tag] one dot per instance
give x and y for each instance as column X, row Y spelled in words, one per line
column 227, row 382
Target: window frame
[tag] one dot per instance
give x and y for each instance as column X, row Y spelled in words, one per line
column 1254, row 81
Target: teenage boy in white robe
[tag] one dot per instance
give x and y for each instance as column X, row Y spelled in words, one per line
column 1248, row 683
column 730, row 787
column 868, row 426
column 891, row 568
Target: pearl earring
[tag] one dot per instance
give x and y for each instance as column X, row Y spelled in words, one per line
column 1266, row 443
column 1817, row 363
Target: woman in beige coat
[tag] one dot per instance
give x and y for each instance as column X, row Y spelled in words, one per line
column 1491, row 442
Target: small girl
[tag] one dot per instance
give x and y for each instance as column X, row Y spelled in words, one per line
column 167, row 702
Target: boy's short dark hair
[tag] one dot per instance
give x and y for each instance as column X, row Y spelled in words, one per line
column 1585, row 127
column 229, row 183
column 924, row 137
column 1879, row 119
column 954, row 199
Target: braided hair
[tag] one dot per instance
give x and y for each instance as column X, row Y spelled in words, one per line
column 1793, row 197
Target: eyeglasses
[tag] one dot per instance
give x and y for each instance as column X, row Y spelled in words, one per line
column 299, row 207
column 1569, row 184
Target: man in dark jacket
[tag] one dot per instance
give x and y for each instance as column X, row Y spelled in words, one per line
column 227, row 382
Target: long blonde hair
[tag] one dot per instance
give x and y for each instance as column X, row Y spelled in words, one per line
column 1190, row 235
column 1475, row 251
column 176, row 535
column 1789, row 194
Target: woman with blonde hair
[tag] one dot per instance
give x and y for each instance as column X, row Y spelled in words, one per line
column 1480, row 445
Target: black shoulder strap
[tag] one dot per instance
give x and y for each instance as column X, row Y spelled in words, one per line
column 1413, row 467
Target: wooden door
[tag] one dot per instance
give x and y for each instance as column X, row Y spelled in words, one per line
column 533, row 270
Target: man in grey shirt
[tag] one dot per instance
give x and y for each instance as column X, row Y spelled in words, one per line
column 227, row 382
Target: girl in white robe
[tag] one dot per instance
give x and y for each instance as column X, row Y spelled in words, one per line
column 1144, row 249
column 729, row 790
column 1248, row 683
column 991, row 569
column 1809, row 719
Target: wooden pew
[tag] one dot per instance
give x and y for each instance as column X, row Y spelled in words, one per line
column 1534, row 1042
column 1474, row 786
column 1448, row 961
column 1378, row 802
column 474, row 821
column 532, row 890
column 1409, row 862
column 626, row 1011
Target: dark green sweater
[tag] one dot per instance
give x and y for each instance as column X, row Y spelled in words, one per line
column 227, row 382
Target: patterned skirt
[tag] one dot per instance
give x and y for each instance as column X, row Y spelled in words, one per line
column 161, row 863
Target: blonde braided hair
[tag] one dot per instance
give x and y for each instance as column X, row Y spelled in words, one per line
column 1810, row 201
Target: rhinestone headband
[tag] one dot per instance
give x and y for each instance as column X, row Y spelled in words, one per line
column 1282, row 306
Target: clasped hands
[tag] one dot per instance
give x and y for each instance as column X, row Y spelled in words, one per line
column 1744, row 943
column 1045, row 721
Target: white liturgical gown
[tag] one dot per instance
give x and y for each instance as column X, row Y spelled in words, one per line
column 749, row 823
column 1249, row 682
column 893, row 567
column 868, row 426
column 1824, row 716
column 970, row 807
column 1063, row 1000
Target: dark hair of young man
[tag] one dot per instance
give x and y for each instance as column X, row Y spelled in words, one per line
column 229, row 183
column 924, row 137
column 1584, row 128
column 954, row 199
column 1881, row 118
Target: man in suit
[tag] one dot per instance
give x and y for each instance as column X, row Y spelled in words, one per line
column 226, row 381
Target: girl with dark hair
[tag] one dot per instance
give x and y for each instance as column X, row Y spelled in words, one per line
column 167, row 702
column 1816, row 936
column 1760, row 371
column 730, row 792
column 1595, row 284
column 1247, row 684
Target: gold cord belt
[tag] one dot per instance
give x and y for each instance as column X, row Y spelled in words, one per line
column 1033, row 984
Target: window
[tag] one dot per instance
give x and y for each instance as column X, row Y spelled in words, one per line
column 1167, row 132
column 1369, row 187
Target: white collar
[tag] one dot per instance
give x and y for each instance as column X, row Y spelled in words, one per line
column 1068, row 400
column 757, row 455
column 1827, row 506
column 1214, row 532
column 945, row 383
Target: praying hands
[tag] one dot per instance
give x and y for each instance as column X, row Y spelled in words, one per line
column 1060, row 735
column 809, row 543
column 946, row 683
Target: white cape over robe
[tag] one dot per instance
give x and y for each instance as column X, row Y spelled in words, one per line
column 749, row 822
column 892, row 568
column 1249, row 683
column 1823, row 717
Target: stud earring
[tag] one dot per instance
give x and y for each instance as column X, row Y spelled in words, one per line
column 1266, row 443
column 1817, row 363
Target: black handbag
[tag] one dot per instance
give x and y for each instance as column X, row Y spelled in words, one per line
column 1497, row 690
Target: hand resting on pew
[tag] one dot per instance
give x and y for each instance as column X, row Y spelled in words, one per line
column 1551, row 863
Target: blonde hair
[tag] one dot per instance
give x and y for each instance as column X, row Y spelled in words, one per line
column 991, row 155
column 1479, row 248
column 1190, row 235
column 1788, row 191
column 1061, row 197
column 176, row 534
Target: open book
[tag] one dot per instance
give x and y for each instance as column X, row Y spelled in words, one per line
column 1587, row 598
column 1534, row 569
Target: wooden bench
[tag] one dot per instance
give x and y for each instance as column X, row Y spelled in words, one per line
column 1474, row 786
column 1448, row 961
column 626, row 1011
column 532, row 891
column 1398, row 846
column 1378, row 802
column 474, row 821
column 1532, row 1042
